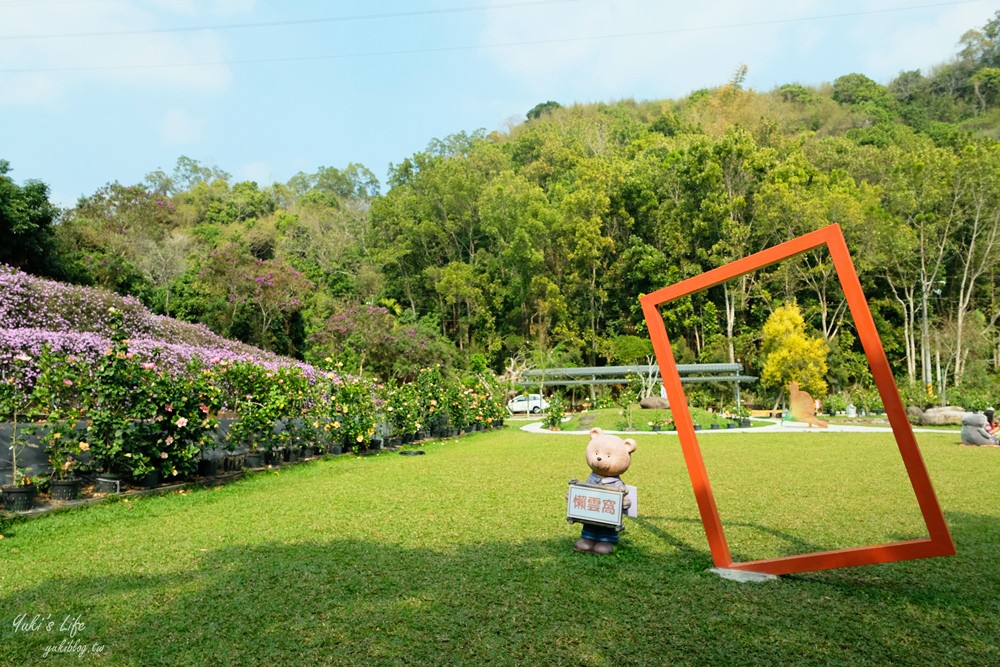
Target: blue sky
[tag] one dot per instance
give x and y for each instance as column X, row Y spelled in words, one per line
column 94, row 91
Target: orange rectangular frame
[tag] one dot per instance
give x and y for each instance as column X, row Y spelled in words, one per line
column 939, row 542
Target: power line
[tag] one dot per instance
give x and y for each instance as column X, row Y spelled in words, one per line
column 500, row 45
column 293, row 22
column 38, row 3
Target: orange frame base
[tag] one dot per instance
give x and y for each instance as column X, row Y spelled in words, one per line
column 939, row 542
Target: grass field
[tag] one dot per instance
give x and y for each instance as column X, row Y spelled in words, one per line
column 462, row 557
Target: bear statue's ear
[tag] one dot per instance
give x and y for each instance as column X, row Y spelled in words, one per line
column 594, row 432
column 630, row 443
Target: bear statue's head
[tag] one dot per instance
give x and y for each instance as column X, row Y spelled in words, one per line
column 609, row 455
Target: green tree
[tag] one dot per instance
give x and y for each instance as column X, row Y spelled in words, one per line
column 857, row 89
column 188, row 173
column 371, row 339
column 632, row 349
column 516, row 220
column 244, row 201
column 986, row 87
column 330, row 186
column 978, row 185
column 542, row 108
column 26, row 219
column 799, row 199
column 106, row 239
column 918, row 192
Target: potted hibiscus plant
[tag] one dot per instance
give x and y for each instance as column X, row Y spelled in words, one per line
column 58, row 398
column 119, row 397
column 743, row 412
column 64, row 448
column 19, row 495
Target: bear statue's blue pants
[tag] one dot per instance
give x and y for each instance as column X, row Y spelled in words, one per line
column 599, row 533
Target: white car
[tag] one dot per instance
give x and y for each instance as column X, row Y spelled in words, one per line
column 533, row 403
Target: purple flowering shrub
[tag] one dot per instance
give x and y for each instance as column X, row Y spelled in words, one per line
column 73, row 320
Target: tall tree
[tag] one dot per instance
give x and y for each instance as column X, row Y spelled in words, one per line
column 919, row 191
column 106, row 236
column 26, row 219
column 978, row 185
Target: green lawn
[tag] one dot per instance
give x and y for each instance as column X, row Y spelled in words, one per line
column 462, row 557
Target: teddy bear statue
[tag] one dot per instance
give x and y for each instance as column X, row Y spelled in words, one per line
column 608, row 457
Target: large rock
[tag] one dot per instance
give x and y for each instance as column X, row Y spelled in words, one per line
column 914, row 413
column 949, row 414
column 654, row 403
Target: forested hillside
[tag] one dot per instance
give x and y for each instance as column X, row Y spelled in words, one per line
column 538, row 241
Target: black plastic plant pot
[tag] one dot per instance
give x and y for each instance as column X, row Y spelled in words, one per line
column 148, row 481
column 233, row 462
column 65, row 489
column 208, row 467
column 108, row 483
column 19, row 498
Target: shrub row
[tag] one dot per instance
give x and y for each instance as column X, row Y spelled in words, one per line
column 126, row 413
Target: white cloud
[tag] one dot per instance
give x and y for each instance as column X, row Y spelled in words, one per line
column 44, row 67
column 178, row 126
column 682, row 47
column 677, row 47
column 921, row 44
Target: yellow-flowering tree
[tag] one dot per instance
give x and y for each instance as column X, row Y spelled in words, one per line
column 791, row 355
